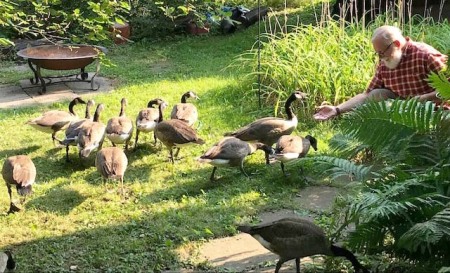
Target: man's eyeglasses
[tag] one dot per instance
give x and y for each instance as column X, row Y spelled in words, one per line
column 381, row 53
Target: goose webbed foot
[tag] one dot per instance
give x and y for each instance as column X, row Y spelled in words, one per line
column 13, row 208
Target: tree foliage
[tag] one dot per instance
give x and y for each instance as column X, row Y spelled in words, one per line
column 73, row 21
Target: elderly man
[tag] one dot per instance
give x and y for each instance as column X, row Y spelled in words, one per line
column 402, row 72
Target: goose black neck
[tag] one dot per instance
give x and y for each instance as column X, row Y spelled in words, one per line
column 87, row 114
column 122, row 110
column 10, row 264
column 71, row 105
column 288, row 108
column 342, row 252
column 151, row 103
column 184, row 97
column 160, row 112
column 97, row 114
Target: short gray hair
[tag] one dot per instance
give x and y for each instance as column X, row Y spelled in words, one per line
column 388, row 34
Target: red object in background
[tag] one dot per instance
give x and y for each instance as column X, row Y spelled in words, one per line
column 124, row 30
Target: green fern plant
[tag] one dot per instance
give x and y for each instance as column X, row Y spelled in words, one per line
column 403, row 202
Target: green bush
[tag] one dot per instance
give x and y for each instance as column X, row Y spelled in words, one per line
column 72, row 21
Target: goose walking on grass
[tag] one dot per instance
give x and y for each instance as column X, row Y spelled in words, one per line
column 268, row 130
column 74, row 129
column 230, row 152
column 290, row 148
column 111, row 163
column 184, row 111
column 18, row 171
column 148, row 118
column 119, row 129
column 7, row 261
column 295, row 238
column 175, row 133
column 91, row 135
column 56, row 120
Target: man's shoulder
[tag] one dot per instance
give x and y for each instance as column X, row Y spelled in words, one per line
column 422, row 48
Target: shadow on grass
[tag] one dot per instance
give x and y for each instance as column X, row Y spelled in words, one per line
column 21, row 151
column 57, row 200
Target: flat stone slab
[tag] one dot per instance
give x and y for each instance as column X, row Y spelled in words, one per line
column 27, row 94
column 242, row 253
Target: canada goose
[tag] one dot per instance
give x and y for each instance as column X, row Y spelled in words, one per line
column 120, row 129
column 19, row 171
column 184, row 111
column 91, row 135
column 7, row 261
column 148, row 118
column 230, row 152
column 295, row 238
column 268, row 130
column 111, row 163
column 175, row 133
column 55, row 120
column 289, row 148
column 75, row 127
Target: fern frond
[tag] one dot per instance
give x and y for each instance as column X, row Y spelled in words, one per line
column 337, row 167
column 439, row 82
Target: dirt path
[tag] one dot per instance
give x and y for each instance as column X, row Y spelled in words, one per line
column 242, row 253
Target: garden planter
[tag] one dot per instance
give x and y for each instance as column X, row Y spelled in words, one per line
column 124, row 31
column 194, row 29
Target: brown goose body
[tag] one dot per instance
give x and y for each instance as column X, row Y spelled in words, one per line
column 268, row 130
column 295, row 238
column 184, row 111
column 119, row 129
column 111, row 163
column 91, row 135
column 230, row 152
column 176, row 133
column 74, row 129
column 55, row 120
column 148, row 118
column 18, row 171
column 290, row 148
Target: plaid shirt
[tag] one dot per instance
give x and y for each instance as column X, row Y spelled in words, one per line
column 410, row 77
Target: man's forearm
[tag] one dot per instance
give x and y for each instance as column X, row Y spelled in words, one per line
column 353, row 102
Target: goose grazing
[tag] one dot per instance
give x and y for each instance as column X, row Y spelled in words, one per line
column 268, row 130
column 231, row 152
column 56, row 120
column 18, row 171
column 175, row 133
column 91, row 134
column 120, row 129
column 184, row 111
column 74, row 129
column 295, row 238
column 7, row 261
column 289, row 148
column 111, row 163
column 148, row 118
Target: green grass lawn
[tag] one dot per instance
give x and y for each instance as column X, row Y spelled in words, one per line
column 75, row 219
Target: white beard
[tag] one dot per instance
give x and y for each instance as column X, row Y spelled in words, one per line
column 393, row 61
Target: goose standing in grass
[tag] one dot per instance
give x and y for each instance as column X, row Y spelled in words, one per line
column 268, row 130
column 18, row 171
column 120, row 129
column 7, row 261
column 111, row 163
column 289, row 148
column 231, row 152
column 184, row 111
column 91, row 134
column 74, row 129
column 175, row 133
column 148, row 118
column 295, row 238
column 56, row 120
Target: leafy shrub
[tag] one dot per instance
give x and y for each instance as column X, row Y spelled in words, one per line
column 73, row 21
column 403, row 205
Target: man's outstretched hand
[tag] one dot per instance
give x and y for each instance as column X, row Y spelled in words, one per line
column 325, row 112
